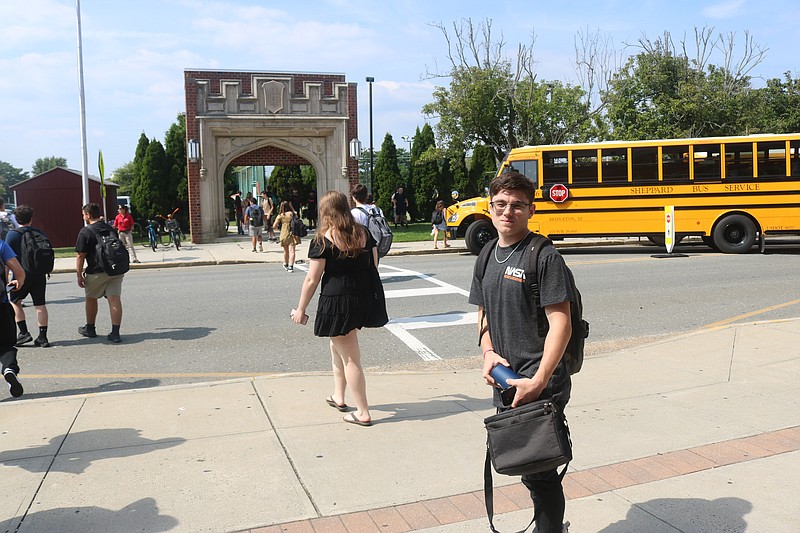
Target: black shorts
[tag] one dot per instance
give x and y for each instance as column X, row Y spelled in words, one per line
column 35, row 286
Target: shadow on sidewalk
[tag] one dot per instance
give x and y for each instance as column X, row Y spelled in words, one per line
column 141, row 515
column 116, row 385
column 101, row 444
column 688, row 514
column 172, row 334
column 434, row 408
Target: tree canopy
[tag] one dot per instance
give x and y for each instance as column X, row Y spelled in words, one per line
column 43, row 164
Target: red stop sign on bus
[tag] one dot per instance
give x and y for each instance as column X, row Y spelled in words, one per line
column 559, row 193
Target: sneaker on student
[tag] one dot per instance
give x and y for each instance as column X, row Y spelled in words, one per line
column 114, row 337
column 286, row 268
column 260, row 247
column 87, row 331
column 290, row 269
column 565, row 527
column 41, row 342
column 22, row 338
column 13, row 383
column 254, row 249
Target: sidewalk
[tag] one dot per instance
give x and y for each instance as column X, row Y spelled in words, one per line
column 700, row 432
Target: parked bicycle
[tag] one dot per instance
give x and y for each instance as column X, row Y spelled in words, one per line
column 173, row 228
column 154, row 234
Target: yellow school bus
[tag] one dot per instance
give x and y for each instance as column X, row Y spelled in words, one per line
column 729, row 191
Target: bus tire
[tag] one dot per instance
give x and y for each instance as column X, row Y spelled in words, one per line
column 478, row 234
column 734, row 234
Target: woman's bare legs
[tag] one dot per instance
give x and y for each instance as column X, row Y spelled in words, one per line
column 286, row 255
column 292, row 248
column 346, row 348
column 339, row 379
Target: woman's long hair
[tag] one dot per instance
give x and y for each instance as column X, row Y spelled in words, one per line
column 334, row 215
column 285, row 207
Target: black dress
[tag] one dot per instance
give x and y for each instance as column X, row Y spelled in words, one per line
column 352, row 293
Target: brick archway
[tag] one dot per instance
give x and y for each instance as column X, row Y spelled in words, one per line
column 265, row 118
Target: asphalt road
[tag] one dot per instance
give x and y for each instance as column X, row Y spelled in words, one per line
column 200, row 324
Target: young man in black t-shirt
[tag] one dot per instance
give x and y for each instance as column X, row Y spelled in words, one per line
column 507, row 321
column 93, row 279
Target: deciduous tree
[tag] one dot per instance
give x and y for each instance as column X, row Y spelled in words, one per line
column 43, row 164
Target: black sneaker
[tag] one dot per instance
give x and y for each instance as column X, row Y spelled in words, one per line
column 22, row 338
column 13, row 383
column 114, row 337
column 41, row 342
column 87, row 331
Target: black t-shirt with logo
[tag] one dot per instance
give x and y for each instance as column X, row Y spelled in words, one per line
column 511, row 312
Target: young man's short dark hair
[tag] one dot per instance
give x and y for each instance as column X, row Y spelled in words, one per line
column 93, row 210
column 513, row 181
column 24, row 214
column 359, row 192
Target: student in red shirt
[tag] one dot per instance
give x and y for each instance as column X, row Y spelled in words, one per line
column 123, row 222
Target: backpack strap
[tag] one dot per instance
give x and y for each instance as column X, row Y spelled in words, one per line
column 480, row 269
column 534, row 248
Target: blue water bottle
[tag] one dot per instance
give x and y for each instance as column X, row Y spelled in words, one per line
column 501, row 374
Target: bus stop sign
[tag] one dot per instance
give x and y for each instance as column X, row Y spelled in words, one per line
column 559, row 193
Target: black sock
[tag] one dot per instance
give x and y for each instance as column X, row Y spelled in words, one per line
column 43, row 331
column 115, row 329
column 90, row 327
column 23, row 326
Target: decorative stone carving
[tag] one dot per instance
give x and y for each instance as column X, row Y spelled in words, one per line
column 273, row 96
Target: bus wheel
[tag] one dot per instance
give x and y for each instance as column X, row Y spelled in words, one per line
column 734, row 234
column 478, row 234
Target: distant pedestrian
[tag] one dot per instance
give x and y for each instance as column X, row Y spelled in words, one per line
column 8, row 330
column 288, row 240
column 254, row 218
column 35, row 284
column 124, row 224
column 238, row 210
column 344, row 258
column 400, row 205
column 311, row 209
column 439, row 225
column 7, row 220
column 296, row 201
column 268, row 207
column 93, row 279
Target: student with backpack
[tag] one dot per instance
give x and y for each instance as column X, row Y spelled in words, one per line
column 288, row 239
column 370, row 215
column 439, row 225
column 8, row 221
column 254, row 219
column 101, row 263
column 35, row 254
column 508, row 323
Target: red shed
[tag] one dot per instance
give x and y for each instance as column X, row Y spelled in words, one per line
column 56, row 197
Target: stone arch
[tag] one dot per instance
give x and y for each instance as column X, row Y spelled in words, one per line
column 258, row 118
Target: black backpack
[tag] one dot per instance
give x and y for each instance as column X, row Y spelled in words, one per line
column 297, row 228
column 379, row 229
column 256, row 216
column 437, row 218
column 573, row 354
column 36, row 254
column 112, row 256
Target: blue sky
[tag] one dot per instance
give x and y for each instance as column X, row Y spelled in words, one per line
column 134, row 55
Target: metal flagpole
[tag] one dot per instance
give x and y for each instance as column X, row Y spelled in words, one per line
column 82, row 100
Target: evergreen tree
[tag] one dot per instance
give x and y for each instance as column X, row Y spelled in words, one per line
column 426, row 171
column 141, row 150
column 387, row 175
column 178, row 183
column 482, row 169
column 150, row 187
column 460, row 180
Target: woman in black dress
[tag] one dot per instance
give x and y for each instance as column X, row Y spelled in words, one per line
column 343, row 256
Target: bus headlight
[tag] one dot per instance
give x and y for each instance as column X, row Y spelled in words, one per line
column 453, row 218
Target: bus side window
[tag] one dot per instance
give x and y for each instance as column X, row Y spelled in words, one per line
column 707, row 164
column 795, row 149
column 675, row 163
column 528, row 167
column 554, row 167
column 771, row 159
column 645, row 164
column 615, row 165
column 739, row 161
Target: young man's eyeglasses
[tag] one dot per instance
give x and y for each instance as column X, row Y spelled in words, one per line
column 500, row 207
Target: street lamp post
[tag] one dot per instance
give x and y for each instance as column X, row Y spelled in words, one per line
column 370, row 79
